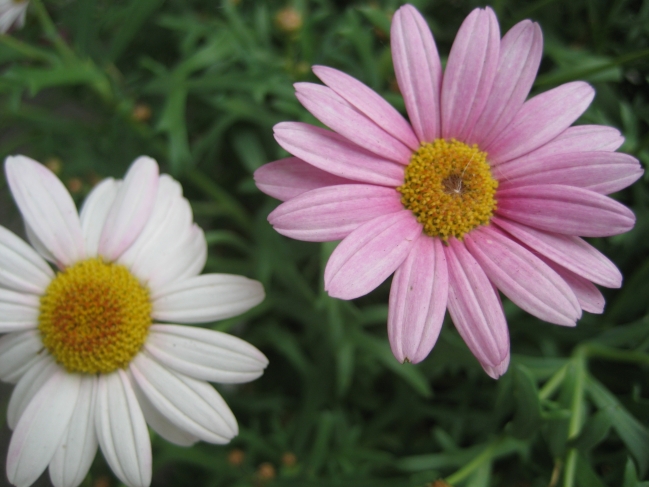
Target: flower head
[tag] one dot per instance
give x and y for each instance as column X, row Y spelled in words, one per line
column 92, row 362
column 482, row 191
column 12, row 12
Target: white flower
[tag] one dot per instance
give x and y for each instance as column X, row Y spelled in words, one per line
column 91, row 364
column 12, row 12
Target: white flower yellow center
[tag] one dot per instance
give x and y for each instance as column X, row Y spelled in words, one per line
column 94, row 317
column 449, row 188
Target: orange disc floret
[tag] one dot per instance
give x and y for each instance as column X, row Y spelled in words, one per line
column 94, row 317
column 449, row 188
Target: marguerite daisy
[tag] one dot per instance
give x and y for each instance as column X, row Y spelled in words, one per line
column 482, row 191
column 85, row 345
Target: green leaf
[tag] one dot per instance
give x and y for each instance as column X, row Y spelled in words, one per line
column 585, row 475
column 593, row 432
column 634, row 435
column 377, row 18
column 37, row 79
column 380, row 350
column 130, row 24
column 248, row 148
column 173, row 123
column 630, row 475
column 527, row 415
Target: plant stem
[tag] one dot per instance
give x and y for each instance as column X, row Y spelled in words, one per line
column 51, row 32
column 485, row 456
column 576, row 419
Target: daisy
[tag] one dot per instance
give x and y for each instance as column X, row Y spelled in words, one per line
column 91, row 362
column 482, row 191
column 12, row 12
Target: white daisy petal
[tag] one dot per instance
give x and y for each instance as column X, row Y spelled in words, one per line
column 185, row 260
column 22, row 269
column 161, row 425
column 167, row 238
column 18, row 351
column 121, row 430
column 47, row 208
column 18, row 311
column 170, row 210
column 12, row 13
column 190, row 404
column 95, row 211
column 205, row 354
column 131, row 208
column 35, row 242
column 29, row 385
column 41, row 428
column 75, row 453
column 208, row 297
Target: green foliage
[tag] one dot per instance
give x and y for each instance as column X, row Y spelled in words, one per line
column 89, row 85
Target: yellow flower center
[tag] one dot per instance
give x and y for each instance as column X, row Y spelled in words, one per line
column 94, row 317
column 449, row 187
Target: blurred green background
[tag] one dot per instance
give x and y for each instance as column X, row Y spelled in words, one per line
column 88, row 85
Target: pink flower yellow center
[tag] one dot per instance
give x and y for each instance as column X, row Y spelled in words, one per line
column 94, row 317
column 449, row 187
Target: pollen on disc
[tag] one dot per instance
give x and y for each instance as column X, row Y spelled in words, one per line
column 449, row 188
column 94, row 317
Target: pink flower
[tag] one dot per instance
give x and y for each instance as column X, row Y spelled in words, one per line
column 481, row 191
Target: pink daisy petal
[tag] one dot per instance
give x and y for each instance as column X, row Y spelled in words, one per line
column 581, row 138
column 568, row 251
column 368, row 255
column 418, row 298
column 333, row 212
column 520, row 55
column 47, row 208
column 418, row 71
column 589, row 297
column 523, row 277
column 470, row 73
column 290, row 177
column 601, row 172
column 566, row 210
column 587, row 138
column 369, row 103
column 476, row 311
column 131, row 208
column 336, row 113
column 335, row 154
column 540, row 120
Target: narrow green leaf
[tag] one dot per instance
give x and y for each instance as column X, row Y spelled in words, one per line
column 132, row 19
column 527, row 415
column 380, row 350
column 630, row 474
column 594, row 431
column 585, row 475
column 633, row 433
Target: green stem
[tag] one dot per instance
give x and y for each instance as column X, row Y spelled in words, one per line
column 51, row 32
column 576, row 419
column 601, row 351
column 553, row 384
column 485, row 456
